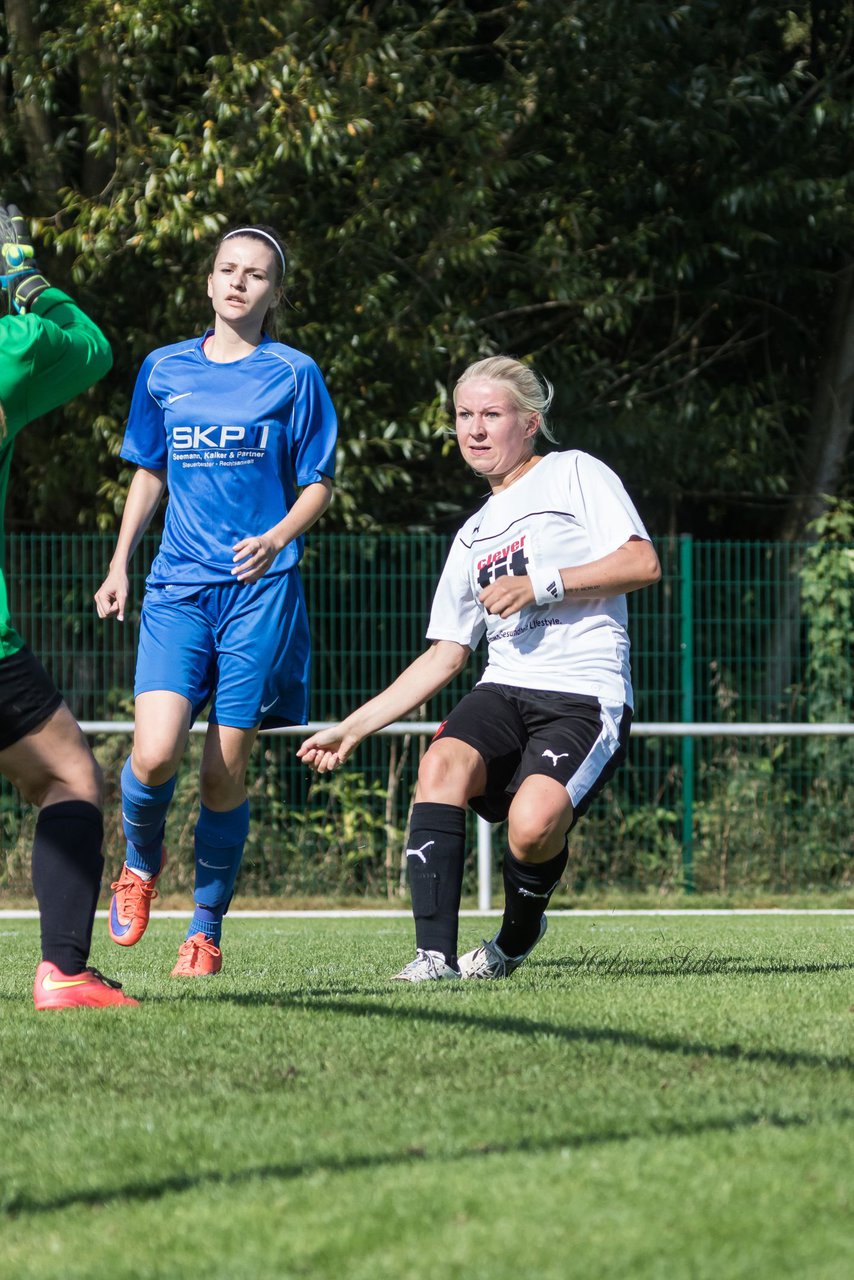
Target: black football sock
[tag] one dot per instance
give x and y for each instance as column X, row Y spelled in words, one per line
column 67, row 868
column 527, row 889
column 434, row 855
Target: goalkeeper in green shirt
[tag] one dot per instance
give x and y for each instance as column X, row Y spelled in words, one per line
column 49, row 352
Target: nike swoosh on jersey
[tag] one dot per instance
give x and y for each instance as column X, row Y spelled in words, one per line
column 182, row 396
column 50, row 984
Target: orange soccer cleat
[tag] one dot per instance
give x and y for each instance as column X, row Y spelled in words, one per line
column 130, row 905
column 198, row 957
column 54, row 989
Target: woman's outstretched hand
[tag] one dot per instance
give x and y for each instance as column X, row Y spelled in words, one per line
column 328, row 748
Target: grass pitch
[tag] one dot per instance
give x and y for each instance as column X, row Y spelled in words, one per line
column 644, row 1098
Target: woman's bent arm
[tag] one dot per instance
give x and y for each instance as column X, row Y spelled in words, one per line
column 254, row 554
column 632, row 566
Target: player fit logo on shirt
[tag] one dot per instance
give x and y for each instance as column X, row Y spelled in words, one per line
column 419, row 853
column 550, row 755
column 178, row 395
column 503, row 561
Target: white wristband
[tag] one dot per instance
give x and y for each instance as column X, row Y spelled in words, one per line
column 547, row 584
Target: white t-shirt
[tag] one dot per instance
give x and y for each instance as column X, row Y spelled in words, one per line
column 566, row 511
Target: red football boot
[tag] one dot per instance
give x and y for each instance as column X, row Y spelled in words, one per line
column 54, row 989
column 130, row 905
column 198, row 957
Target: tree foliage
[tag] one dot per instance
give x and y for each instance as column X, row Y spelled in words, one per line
column 650, row 201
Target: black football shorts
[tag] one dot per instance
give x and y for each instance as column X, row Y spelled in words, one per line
column 27, row 696
column 577, row 739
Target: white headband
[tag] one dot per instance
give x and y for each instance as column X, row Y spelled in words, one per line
column 256, row 231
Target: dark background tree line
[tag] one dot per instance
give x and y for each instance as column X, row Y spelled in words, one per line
column 651, row 201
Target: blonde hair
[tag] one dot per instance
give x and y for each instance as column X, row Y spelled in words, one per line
column 531, row 392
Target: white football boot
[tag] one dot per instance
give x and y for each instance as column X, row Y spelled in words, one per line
column 489, row 961
column 428, row 966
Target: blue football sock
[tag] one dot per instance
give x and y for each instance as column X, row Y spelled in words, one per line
column 206, row 920
column 144, row 811
column 220, row 838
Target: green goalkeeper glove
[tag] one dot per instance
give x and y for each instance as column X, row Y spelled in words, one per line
column 20, row 275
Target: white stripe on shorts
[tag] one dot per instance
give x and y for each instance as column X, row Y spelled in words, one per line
column 601, row 753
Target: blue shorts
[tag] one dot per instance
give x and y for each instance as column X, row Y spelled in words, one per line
column 244, row 645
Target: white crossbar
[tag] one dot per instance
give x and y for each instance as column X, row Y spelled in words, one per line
column 648, row 729
column 640, row 729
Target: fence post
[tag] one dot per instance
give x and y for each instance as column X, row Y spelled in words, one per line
column 686, row 682
column 484, row 864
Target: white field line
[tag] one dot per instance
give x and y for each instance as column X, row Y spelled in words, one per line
column 29, row 913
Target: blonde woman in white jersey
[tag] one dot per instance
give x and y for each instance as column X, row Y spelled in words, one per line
column 542, row 569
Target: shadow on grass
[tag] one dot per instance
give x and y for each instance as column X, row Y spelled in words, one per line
column 19, row 1204
column 588, row 1035
column 439, row 1011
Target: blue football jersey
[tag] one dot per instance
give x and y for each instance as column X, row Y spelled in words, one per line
column 236, row 441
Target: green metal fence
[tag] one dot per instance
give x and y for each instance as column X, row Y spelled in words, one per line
column 725, row 637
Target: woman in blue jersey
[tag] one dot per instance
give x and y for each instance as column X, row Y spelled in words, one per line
column 242, row 432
